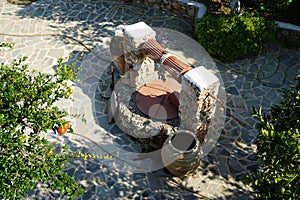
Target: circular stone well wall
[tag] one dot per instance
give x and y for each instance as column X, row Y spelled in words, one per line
column 199, row 111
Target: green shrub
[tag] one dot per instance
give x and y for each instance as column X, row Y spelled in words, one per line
column 278, row 149
column 273, row 6
column 228, row 37
column 26, row 108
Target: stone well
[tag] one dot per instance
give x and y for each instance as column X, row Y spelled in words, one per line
column 193, row 89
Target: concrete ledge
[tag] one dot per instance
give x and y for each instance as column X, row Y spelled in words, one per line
column 289, row 26
column 288, row 34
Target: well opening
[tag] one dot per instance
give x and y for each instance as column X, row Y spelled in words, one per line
column 159, row 100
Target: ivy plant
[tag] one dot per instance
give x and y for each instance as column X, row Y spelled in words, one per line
column 278, row 149
column 7, row 44
column 27, row 107
column 229, row 37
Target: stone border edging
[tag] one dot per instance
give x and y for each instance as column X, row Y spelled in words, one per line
column 288, row 33
column 201, row 7
column 186, row 8
column 288, row 26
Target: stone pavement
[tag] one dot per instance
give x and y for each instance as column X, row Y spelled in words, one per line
column 81, row 31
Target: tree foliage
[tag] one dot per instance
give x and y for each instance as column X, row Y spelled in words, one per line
column 273, row 6
column 278, row 149
column 27, row 100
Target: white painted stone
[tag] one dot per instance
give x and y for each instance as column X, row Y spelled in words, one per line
column 138, row 33
column 201, row 77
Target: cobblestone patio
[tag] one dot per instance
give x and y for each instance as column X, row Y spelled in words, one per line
column 81, row 31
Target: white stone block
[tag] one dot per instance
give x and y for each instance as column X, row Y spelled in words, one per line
column 138, row 33
column 201, row 77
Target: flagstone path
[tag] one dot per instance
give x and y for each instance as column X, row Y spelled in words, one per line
column 81, row 31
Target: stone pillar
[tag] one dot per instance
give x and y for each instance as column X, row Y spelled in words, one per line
column 196, row 104
column 142, row 70
column 134, row 36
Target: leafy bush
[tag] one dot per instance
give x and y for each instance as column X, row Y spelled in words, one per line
column 26, row 108
column 228, row 37
column 278, row 149
column 273, row 6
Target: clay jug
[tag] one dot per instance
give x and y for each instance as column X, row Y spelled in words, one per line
column 181, row 153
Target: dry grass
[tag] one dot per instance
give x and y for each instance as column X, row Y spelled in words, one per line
column 20, row 2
